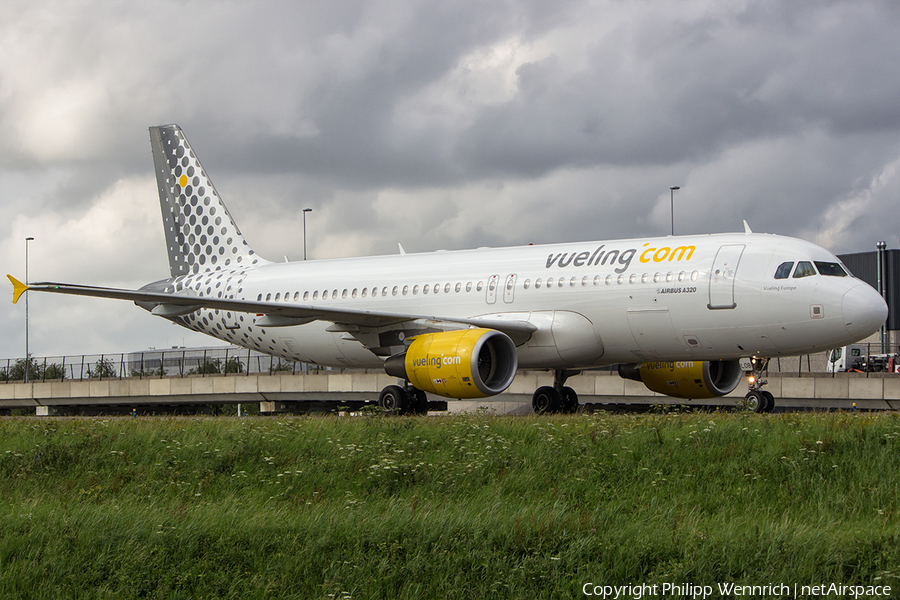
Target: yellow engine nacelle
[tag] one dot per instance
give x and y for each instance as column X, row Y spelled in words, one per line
column 468, row 363
column 686, row 379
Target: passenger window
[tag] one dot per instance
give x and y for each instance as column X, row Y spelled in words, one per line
column 405, row 289
column 784, row 270
column 425, row 288
column 830, row 269
column 480, row 286
column 804, row 269
column 537, row 283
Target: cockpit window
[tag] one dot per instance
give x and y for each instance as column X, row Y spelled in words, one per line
column 784, row 270
column 804, row 269
column 831, row 269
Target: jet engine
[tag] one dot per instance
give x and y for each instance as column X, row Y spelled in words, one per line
column 467, row 363
column 686, row 379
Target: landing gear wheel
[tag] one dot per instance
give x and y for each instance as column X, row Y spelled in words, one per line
column 546, row 400
column 756, row 401
column 419, row 403
column 394, row 399
column 770, row 400
column 569, row 400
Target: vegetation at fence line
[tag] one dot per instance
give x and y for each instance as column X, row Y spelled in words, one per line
column 214, row 366
column 104, row 368
column 281, row 366
column 445, row 507
column 37, row 371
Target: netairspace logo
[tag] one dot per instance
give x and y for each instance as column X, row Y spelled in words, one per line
column 732, row 590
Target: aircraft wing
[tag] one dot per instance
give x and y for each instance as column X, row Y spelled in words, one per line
column 273, row 314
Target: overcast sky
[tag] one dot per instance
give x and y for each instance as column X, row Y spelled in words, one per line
column 448, row 124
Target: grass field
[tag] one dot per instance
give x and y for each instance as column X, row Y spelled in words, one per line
column 446, row 507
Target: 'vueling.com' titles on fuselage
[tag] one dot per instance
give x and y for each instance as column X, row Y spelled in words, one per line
column 621, row 257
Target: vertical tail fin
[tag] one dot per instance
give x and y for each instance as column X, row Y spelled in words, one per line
column 200, row 233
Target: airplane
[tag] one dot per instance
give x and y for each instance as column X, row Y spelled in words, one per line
column 677, row 313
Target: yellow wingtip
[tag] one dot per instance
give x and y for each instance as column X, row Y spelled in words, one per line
column 19, row 288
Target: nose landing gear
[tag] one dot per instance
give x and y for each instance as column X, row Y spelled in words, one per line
column 757, row 399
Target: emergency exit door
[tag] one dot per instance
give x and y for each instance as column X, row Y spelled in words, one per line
column 722, row 276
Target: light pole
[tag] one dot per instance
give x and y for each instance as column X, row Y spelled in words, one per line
column 27, row 355
column 672, row 203
column 305, row 210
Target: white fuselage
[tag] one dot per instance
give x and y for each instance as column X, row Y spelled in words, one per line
column 705, row 297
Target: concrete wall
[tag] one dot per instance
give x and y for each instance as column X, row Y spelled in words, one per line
column 875, row 391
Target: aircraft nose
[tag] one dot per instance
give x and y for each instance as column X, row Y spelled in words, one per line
column 864, row 311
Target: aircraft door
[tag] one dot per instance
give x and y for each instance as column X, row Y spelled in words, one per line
column 721, row 278
column 509, row 289
column 492, row 289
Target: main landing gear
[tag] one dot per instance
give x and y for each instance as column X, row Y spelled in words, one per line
column 556, row 398
column 403, row 400
column 757, row 399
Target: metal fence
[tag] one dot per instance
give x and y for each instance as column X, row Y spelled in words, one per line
column 235, row 361
column 150, row 364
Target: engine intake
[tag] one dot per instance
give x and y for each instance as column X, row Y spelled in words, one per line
column 468, row 363
column 686, row 379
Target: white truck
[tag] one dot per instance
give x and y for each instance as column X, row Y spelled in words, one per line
column 855, row 357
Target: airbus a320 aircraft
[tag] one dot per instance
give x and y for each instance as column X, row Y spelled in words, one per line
column 676, row 313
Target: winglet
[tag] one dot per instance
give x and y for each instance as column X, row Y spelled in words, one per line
column 19, row 288
column 747, row 228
